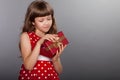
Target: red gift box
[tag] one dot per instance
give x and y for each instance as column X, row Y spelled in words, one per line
column 50, row 48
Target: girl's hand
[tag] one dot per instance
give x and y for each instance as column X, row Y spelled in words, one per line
column 59, row 52
column 50, row 37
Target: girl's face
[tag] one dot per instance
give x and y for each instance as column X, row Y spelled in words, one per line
column 43, row 24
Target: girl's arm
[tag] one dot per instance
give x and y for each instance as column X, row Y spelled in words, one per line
column 29, row 57
column 56, row 59
column 58, row 66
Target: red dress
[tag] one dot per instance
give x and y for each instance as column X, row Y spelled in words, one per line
column 43, row 69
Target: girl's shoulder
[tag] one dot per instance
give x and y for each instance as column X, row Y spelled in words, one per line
column 24, row 35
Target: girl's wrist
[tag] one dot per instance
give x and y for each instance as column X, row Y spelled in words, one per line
column 55, row 60
column 38, row 43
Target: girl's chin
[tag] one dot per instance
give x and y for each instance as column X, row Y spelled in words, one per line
column 45, row 31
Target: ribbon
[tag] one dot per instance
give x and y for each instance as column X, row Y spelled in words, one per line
column 55, row 44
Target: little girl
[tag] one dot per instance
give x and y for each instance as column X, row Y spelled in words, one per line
column 39, row 25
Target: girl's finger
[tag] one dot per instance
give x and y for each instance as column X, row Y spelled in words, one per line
column 57, row 54
column 65, row 46
column 60, row 48
column 53, row 38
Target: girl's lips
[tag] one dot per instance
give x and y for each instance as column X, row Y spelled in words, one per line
column 46, row 27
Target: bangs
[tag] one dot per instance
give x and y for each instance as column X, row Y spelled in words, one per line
column 41, row 10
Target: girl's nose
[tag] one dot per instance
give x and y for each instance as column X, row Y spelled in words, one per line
column 46, row 22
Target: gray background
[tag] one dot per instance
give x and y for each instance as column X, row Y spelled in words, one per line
column 92, row 27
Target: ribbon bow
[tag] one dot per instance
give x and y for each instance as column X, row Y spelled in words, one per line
column 55, row 44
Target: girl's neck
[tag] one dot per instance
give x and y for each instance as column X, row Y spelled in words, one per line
column 39, row 33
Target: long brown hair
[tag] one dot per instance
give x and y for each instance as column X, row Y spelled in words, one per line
column 38, row 8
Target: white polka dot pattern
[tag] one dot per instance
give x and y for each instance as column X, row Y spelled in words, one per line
column 43, row 70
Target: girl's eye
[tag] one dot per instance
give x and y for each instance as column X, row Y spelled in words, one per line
column 40, row 20
column 49, row 19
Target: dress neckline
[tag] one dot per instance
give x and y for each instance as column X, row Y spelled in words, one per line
column 36, row 34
